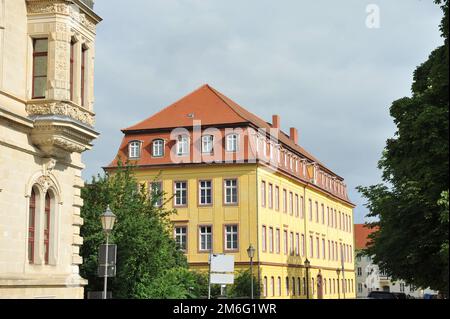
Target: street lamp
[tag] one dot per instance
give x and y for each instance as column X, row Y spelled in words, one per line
column 338, row 271
column 307, row 266
column 251, row 254
column 108, row 219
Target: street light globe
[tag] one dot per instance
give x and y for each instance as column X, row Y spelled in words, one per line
column 108, row 219
column 251, row 251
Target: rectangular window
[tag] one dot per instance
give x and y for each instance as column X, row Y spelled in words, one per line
column 231, row 237
column 271, row 239
column 232, row 143
column 231, row 191
column 291, row 243
column 270, row 195
column 277, row 241
column 207, row 144
column 359, row 271
column 180, row 193
column 297, row 244
column 181, row 237
column 205, row 239
column 303, row 245
column 277, row 198
column 284, row 201
column 317, row 247
column 83, row 74
column 329, row 251
column 317, row 211
column 72, row 73
column 285, row 242
column 323, row 249
column 263, row 194
column 296, row 206
column 311, row 247
column 134, row 149
column 310, row 210
column 158, row 148
column 40, row 61
column 264, row 240
column 156, row 193
column 291, row 203
column 182, row 145
column 205, row 192
column 328, row 216
column 301, row 207
column 323, row 214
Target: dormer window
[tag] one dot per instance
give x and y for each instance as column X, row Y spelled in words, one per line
column 158, row 148
column 207, row 143
column 134, row 149
column 183, row 145
column 232, row 143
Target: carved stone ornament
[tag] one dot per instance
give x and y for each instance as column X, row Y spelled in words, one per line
column 62, row 109
column 61, row 7
column 45, row 182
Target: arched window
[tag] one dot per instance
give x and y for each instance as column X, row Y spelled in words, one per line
column 232, row 142
column 158, row 148
column 31, row 226
column 265, row 286
column 134, row 149
column 47, row 217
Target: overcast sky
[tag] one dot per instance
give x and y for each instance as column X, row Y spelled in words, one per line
column 315, row 63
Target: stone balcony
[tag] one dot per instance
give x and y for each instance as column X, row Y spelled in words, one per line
column 61, row 127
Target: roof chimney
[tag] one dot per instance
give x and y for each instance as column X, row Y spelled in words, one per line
column 276, row 121
column 294, row 135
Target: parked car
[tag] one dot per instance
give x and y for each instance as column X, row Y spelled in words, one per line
column 381, row 295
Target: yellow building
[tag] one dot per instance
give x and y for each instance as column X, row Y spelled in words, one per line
column 235, row 181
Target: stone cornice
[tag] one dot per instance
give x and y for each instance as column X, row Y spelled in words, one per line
column 79, row 13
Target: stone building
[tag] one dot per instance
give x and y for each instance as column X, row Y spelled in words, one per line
column 46, row 122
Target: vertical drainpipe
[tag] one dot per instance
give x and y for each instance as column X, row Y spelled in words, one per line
column 257, row 229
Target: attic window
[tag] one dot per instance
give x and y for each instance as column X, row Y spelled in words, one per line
column 134, row 149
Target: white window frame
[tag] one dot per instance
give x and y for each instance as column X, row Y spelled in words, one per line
column 232, row 142
column 233, row 231
column 182, row 145
column 203, row 187
column 182, row 199
column 204, row 233
column 233, row 189
column 181, row 237
column 158, row 148
column 134, row 149
column 207, row 144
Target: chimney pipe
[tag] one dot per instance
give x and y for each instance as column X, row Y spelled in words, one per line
column 276, row 121
column 294, row 135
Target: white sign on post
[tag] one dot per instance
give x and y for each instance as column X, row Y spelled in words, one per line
column 222, row 279
column 222, row 263
column 222, row 269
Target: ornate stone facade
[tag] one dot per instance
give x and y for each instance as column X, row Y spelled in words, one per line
column 41, row 142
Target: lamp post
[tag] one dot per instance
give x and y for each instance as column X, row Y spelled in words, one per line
column 251, row 254
column 108, row 219
column 307, row 266
column 338, row 271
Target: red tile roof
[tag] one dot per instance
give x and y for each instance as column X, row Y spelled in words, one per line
column 361, row 235
column 212, row 108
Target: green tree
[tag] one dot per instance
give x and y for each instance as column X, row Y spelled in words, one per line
column 145, row 248
column 412, row 241
column 242, row 286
